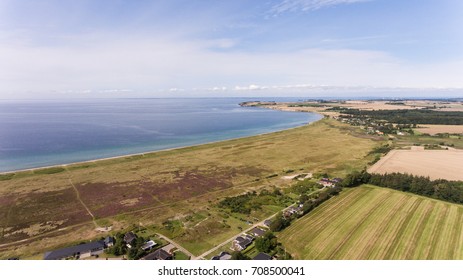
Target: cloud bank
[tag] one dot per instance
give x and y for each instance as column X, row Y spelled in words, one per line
column 308, row 5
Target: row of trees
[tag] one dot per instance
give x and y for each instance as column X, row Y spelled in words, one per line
column 410, row 117
column 451, row 191
column 308, row 204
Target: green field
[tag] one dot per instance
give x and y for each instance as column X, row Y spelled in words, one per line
column 50, row 208
column 369, row 222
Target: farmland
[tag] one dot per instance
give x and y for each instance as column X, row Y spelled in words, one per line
column 369, row 222
column 437, row 164
column 169, row 191
column 433, row 129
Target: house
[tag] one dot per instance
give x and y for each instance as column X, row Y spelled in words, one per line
column 325, row 182
column 267, row 223
column 109, row 242
column 241, row 242
column 262, row 257
column 80, row 251
column 223, row 256
column 129, row 237
column 169, row 248
column 257, row 232
column 148, row 245
column 336, row 180
column 159, row 254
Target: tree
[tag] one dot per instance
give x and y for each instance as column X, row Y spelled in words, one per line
column 279, row 223
column 283, row 255
column 266, row 243
column 239, row 256
column 132, row 254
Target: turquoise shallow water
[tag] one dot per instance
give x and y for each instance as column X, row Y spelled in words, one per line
column 43, row 133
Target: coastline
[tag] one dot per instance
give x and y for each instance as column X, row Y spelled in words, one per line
column 156, row 151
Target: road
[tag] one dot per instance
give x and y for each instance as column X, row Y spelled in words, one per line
column 261, row 223
column 177, row 245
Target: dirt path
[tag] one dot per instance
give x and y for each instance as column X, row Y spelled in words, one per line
column 82, row 202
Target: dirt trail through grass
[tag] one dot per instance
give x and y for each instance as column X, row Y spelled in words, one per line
column 83, row 203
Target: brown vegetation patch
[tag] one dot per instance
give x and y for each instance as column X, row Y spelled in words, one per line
column 107, row 199
column 190, row 184
column 36, row 213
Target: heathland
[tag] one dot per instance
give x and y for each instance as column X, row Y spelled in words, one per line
column 170, row 192
column 369, row 222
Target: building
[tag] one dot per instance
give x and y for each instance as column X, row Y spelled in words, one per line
column 109, row 241
column 148, row 245
column 325, row 182
column 267, row 223
column 159, row 254
column 241, row 242
column 262, row 257
column 291, row 211
column 80, row 251
column 257, row 232
column 129, row 237
column 223, row 256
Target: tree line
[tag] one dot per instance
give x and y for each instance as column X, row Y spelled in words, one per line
column 417, row 116
column 451, row 191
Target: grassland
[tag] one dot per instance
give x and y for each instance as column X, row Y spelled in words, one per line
column 369, row 222
column 40, row 211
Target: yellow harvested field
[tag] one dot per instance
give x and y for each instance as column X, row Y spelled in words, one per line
column 437, row 164
column 433, row 129
column 369, row 222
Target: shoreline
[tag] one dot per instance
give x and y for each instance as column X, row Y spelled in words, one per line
column 64, row 165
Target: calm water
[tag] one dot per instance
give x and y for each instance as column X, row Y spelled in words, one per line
column 42, row 133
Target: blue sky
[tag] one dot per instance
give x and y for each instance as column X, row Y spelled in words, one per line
column 96, row 48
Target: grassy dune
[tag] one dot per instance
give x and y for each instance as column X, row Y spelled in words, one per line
column 376, row 223
column 150, row 189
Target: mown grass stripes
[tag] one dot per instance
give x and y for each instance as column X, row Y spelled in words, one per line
column 369, row 222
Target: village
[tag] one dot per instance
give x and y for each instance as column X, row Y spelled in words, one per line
column 257, row 241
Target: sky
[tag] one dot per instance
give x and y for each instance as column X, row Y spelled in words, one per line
column 175, row 48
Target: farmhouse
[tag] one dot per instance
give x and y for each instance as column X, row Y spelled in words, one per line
column 241, row 242
column 328, row 182
column 257, row 232
column 291, row 211
column 129, row 237
column 81, row 251
column 223, row 256
column 262, row 257
column 109, row 241
column 159, row 254
column 148, row 245
column 267, row 223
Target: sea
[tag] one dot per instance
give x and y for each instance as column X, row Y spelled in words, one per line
column 39, row 133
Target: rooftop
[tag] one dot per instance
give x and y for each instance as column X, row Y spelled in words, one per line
column 74, row 250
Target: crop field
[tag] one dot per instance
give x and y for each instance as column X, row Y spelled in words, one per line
column 433, row 129
column 369, row 222
column 56, row 206
column 437, row 164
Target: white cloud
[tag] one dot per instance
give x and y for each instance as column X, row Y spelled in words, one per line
column 308, row 5
column 144, row 66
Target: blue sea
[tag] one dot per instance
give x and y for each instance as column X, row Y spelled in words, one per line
column 43, row 133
